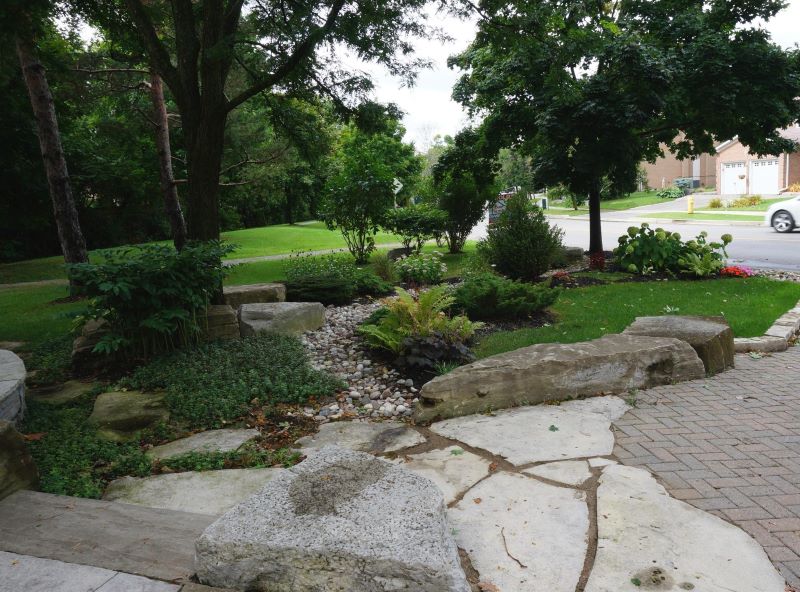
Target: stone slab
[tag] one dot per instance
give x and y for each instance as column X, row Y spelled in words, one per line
column 785, row 332
column 12, row 386
column 17, row 469
column 375, row 438
column 554, row 371
column 569, row 472
column 60, row 394
column 534, row 434
column 340, row 521
column 649, row 538
column 452, row 469
column 235, row 296
column 148, row 542
column 291, row 318
column 220, row 322
column 711, row 337
column 121, row 415
column 200, row 492
column 225, row 440
column 760, row 344
column 23, row 573
column 523, row 535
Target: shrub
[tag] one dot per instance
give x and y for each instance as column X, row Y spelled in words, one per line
column 644, row 250
column 794, row 188
column 419, row 330
column 367, row 283
column 329, row 279
column 415, row 224
column 747, row 201
column 215, row 383
column 521, row 244
column 423, row 269
column 669, row 193
column 383, row 267
column 151, row 296
column 715, row 203
column 488, row 296
column 325, row 289
column 685, row 184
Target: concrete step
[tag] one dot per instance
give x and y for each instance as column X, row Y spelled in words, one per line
column 148, row 542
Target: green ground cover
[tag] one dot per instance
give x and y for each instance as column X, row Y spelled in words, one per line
column 750, row 306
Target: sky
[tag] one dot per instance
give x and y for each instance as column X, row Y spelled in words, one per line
column 430, row 110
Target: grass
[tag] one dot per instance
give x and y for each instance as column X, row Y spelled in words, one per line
column 634, row 200
column 750, row 306
column 30, row 314
column 704, row 216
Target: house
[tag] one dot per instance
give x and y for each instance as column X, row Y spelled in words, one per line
column 738, row 172
column 663, row 172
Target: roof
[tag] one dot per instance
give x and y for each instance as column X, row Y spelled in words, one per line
column 789, row 133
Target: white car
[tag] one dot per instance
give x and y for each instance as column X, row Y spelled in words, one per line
column 784, row 216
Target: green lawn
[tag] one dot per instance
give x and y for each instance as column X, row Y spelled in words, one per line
column 634, row 200
column 750, row 306
column 704, row 216
column 252, row 242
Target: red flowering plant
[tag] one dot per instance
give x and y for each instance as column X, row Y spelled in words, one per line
column 597, row 261
column 736, row 271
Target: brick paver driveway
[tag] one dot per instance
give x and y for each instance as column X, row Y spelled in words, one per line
column 730, row 445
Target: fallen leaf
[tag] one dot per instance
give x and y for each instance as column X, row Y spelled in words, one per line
column 34, row 437
column 487, row 587
column 477, row 500
column 492, row 467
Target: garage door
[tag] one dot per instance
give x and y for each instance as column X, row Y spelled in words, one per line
column 764, row 176
column 733, row 178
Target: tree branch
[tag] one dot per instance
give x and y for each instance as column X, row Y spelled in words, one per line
column 300, row 53
column 156, row 50
column 112, row 71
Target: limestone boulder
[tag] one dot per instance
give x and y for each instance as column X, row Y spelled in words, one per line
column 12, row 386
column 711, row 337
column 119, row 416
column 290, row 318
column 219, row 322
column 340, row 521
column 17, row 469
column 555, row 371
column 225, row 440
column 235, row 296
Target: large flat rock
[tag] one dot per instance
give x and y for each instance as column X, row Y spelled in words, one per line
column 452, row 469
column 577, row 429
column 292, row 318
column 569, row 472
column 17, row 469
column 556, row 372
column 12, row 386
column 523, row 535
column 225, row 440
column 340, row 521
column 121, row 415
column 235, row 296
column 650, row 541
column 200, row 492
column 60, row 394
column 711, row 337
column 376, row 438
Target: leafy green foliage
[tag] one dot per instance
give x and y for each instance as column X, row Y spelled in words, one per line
column 214, row 383
column 415, row 224
column 325, row 289
column 488, row 297
column 361, row 187
column 150, row 296
column 248, row 456
column 422, row 269
column 561, row 193
column 51, row 360
column 330, row 279
column 521, row 244
column 670, row 193
column 383, row 267
column 644, row 250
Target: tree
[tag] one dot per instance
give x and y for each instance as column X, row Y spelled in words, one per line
column 73, row 245
column 361, row 186
column 273, row 48
column 463, row 185
column 589, row 90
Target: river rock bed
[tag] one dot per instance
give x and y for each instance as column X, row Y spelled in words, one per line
column 374, row 390
column 779, row 274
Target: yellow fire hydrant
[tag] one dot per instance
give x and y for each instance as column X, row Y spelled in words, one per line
column 690, row 205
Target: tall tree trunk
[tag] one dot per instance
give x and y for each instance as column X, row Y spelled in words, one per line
column 205, row 137
column 170, row 192
column 73, row 245
column 595, row 225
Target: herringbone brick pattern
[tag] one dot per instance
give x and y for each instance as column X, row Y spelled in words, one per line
column 729, row 445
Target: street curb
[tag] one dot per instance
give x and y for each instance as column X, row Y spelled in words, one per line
column 666, row 221
column 776, row 338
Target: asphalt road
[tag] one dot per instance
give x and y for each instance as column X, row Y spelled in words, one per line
column 756, row 246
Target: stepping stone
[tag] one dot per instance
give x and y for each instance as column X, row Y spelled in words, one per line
column 375, row 438
column 225, row 440
column 12, row 386
column 710, row 337
column 33, row 574
column 451, row 469
column 601, row 462
column 17, row 469
column 290, row 318
column 646, row 536
column 339, row 521
column 523, row 535
column 61, row 394
column 120, row 416
column 569, row 472
column 13, row 346
column 535, row 434
column 200, row 492
column 235, row 296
